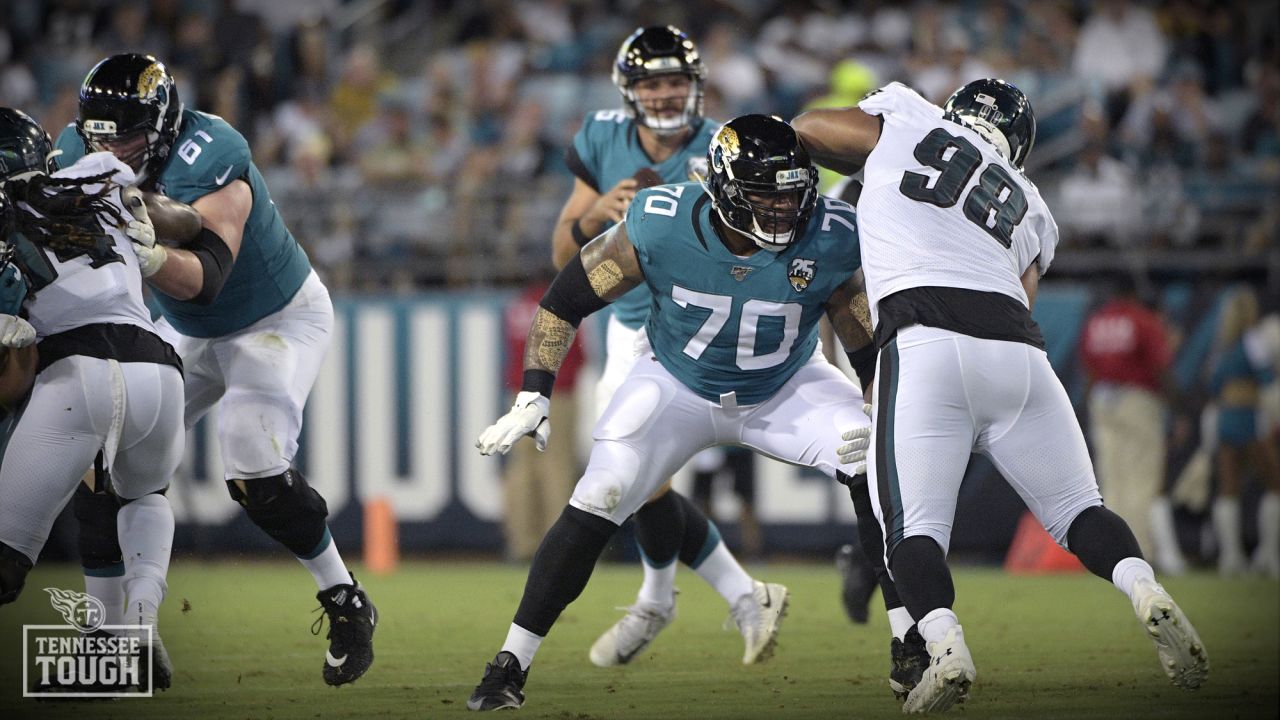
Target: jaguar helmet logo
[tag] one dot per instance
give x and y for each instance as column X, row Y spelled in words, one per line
column 725, row 147
column 149, row 80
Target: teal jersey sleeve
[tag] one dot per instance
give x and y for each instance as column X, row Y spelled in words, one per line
column 722, row 323
column 205, row 159
column 71, row 145
column 207, row 156
column 13, row 289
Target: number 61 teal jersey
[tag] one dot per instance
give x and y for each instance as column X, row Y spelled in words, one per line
column 722, row 323
column 270, row 267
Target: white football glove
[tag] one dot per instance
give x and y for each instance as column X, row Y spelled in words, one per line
column 16, row 332
column 528, row 416
column 855, row 451
column 143, row 234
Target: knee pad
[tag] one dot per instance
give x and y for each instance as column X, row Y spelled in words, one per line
column 99, row 542
column 286, row 508
column 14, row 567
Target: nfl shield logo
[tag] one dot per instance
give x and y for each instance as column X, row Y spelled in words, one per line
column 739, row 272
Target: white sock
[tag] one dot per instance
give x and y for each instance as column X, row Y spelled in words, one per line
column 1226, row 523
column 1128, row 572
column 1269, row 525
column 659, row 586
column 145, row 529
column 722, row 571
column 934, row 626
column 110, row 591
column 523, row 644
column 900, row 622
column 327, row 567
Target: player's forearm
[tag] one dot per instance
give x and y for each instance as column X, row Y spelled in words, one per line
column 197, row 272
column 832, row 140
column 563, row 244
column 548, row 343
column 175, row 222
column 180, row 277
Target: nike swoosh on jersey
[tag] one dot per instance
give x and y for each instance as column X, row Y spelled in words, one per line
column 332, row 661
column 223, row 177
column 768, row 600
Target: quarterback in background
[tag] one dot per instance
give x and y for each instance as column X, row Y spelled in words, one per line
column 954, row 240
column 661, row 137
column 252, row 322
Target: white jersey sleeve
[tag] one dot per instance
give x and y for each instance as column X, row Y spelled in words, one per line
column 940, row 207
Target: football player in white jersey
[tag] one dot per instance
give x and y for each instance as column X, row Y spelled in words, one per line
column 954, row 241
column 105, row 381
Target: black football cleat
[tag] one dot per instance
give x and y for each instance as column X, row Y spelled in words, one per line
column 502, row 686
column 857, row 582
column 910, row 659
column 352, row 619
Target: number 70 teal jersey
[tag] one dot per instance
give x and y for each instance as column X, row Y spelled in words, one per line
column 722, row 323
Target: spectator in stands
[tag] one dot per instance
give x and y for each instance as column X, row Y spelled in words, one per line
column 1126, row 353
column 1240, row 370
column 1099, row 201
column 537, row 485
column 1122, row 50
column 354, row 100
column 952, row 68
column 390, row 151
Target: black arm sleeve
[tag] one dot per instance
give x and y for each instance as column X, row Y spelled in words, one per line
column 863, row 361
column 579, row 168
column 215, row 259
column 571, row 296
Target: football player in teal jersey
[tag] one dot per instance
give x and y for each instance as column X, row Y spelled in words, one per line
column 661, row 137
column 252, row 323
column 739, row 276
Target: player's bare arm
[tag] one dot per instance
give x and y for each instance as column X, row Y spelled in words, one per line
column 176, row 223
column 850, row 317
column 1031, row 282
column 611, row 267
column 850, row 314
column 838, row 138
column 198, row 271
column 590, row 211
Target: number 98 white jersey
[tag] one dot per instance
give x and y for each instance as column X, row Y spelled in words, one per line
column 941, row 208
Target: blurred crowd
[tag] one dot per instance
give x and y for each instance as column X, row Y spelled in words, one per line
column 415, row 144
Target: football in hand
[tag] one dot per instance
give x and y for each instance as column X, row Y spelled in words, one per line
column 645, row 177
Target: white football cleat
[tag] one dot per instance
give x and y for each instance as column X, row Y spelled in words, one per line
column 1182, row 655
column 633, row 633
column 947, row 679
column 758, row 615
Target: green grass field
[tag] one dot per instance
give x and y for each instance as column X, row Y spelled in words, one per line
column 1062, row 646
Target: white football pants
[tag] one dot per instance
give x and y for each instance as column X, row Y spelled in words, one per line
column 654, row 424
column 78, row 406
column 940, row 396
